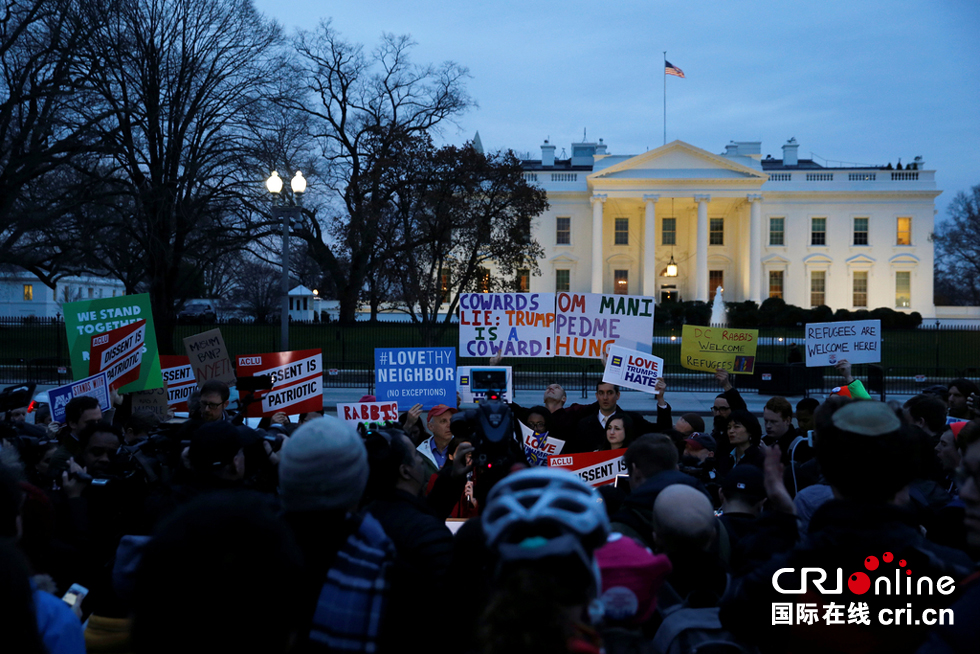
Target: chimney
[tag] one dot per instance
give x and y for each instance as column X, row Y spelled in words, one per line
column 601, row 148
column 731, row 150
column 790, row 157
column 547, row 155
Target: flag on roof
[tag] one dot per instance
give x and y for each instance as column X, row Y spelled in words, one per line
column 671, row 69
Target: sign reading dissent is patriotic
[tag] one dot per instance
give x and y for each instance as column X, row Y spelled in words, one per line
column 297, row 381
column 179, row 377
column 594, row 468
column 119, row 353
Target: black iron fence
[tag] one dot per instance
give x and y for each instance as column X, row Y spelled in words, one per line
column 37, row 350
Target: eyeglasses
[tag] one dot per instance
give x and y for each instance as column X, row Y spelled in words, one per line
column 537, row 426
column 211, row 405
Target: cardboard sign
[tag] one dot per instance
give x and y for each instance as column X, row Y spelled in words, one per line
column 587, row 323
column 711, row 348
column 473, row 382
column 96, row 386
column 209, row 357
column 119, row 354
column 594, row 468
column 411, row 375
column 154, row 402
column 85, row 319
column 358, row 412
column 520, row 324
column 538, row 447
column 632, row 369
column 858, row 341
column 179, row 378
column 297, row 382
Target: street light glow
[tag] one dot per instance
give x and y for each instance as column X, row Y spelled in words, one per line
column 298, row 183
column 274, row 183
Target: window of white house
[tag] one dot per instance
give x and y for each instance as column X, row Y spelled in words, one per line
column 860, row 289
column 716, row 231
column 622, row 232
column 668, row 231
column 903, row 289
column 904, row 235
column 622, row 282
column 28, row 292
column 777, row 231
column 523, row 281
column 818, row 231
column 860, row 231
column 818, row 288
column 716, row 278
column 562, row 280
column 563, row 233
column 776, row 283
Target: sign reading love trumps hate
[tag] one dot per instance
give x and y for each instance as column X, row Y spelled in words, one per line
column 297, row 382
column 209, row 357
column 118, row 353
column 587, row 323
column 519, row 324
column 632, row 369
column 87, row 318
column 410, row 375
column 858, row 341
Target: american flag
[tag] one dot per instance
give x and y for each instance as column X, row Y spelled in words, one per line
column 671, row 69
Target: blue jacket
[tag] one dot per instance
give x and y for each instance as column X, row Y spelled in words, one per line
column 60, row 629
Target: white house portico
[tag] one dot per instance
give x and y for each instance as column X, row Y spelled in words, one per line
column 759, row 227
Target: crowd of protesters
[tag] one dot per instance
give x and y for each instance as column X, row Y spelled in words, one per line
column 733, row 534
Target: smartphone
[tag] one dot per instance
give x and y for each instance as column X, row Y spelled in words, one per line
column 75, row 595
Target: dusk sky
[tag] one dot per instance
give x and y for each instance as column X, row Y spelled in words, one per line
column 854, row 82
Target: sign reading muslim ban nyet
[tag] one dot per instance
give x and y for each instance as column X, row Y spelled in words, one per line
column 858, row 341
column 518, row 324
column 587, row 323
column 410, row 375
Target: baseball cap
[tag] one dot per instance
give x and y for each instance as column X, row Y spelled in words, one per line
column 699, row 441
column 440, row 409
column 745, row 479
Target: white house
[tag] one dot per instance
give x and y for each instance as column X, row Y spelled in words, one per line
column 759, row 227
column 23, row 294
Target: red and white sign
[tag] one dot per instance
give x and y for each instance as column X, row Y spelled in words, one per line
column 178, row 375
column 595, row 468
column 119, row 353
column 538, row 447
column 358, row 412
column 297, row 381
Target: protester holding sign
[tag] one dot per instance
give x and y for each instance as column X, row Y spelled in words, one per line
column 586, row 324
column 858, row 341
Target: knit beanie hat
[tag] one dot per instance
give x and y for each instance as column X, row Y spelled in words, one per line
column 322, row 466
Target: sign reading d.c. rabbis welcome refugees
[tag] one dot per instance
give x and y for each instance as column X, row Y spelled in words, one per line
column 410, row 375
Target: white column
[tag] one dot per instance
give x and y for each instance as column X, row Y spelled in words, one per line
column 701, row 279
column 755, row 248
column 597, row 201
column 650, row 245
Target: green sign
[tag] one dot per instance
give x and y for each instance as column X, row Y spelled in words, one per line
column 85, row 319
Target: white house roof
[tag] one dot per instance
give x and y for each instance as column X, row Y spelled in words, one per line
column 677, row 160
column 301, row 290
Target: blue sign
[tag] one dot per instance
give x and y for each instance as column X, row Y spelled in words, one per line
column 96, row 386
column 415, row 375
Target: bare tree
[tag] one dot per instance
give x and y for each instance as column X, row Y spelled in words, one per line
column 365, row 111
column 958, row 251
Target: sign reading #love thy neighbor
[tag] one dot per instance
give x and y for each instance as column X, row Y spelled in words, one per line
column 410, row 375
column 85, row 319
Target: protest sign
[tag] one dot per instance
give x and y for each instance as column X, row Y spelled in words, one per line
column 410, row 375
column 209, row 357
column 297, row 382
column 519, row 324
column 85, row 319
column 538, row 447
column 179, row 378
column 96, row 386
column 711, row 348
column 154, row 402
column 473, row 382
column 858, row 341
column 358, row 412
column 594, row 468
column 587, row 323
column 632, row 369
column 118, row 353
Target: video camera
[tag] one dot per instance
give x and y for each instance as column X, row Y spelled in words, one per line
column 491, row 429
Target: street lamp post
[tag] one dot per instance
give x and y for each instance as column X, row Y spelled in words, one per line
column 287, row 214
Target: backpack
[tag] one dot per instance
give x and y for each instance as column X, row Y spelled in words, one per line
column 688, row 630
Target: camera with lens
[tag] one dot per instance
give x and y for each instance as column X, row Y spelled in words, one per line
column 491, row 429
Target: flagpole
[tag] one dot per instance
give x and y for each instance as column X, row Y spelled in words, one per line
column 665, row 97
